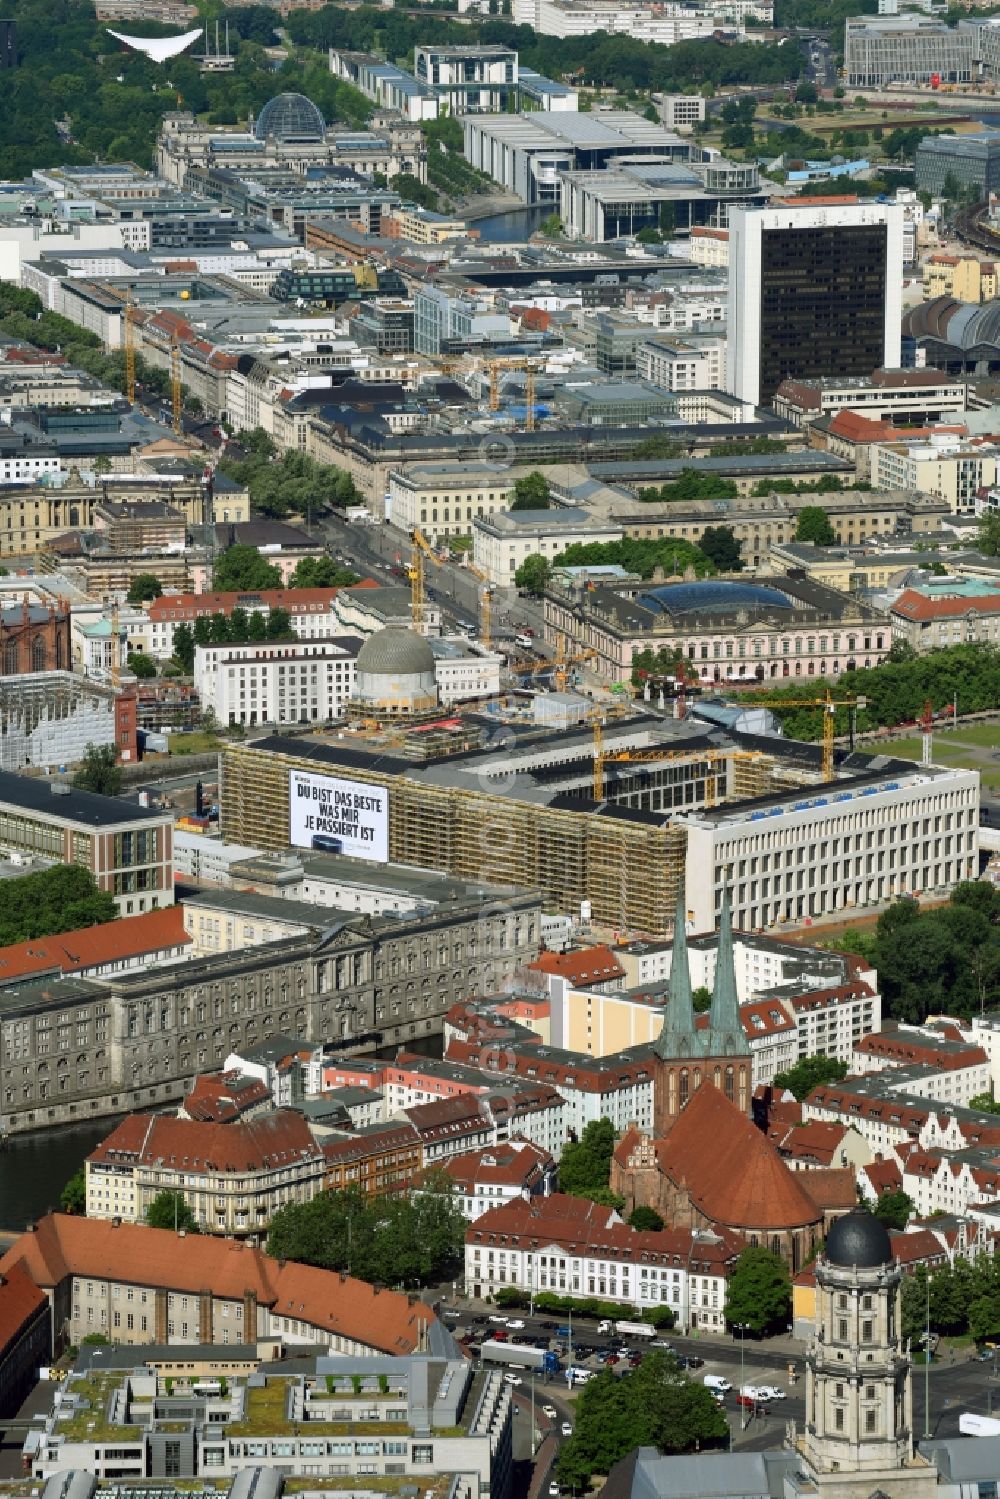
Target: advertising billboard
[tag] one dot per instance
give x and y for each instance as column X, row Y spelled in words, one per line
column 338, row 817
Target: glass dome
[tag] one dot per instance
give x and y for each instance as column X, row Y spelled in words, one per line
column 713, row 597
column 290, row 117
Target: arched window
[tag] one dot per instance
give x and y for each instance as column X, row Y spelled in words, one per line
column 60, row 662
column 684, row 1088
column 730, row 1085
column 38, row 653
column 10, row 659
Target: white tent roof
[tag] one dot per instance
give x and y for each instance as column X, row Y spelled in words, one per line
column 158, row 48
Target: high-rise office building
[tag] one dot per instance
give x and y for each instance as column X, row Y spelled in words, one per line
column 813, row 290
column 8, row 44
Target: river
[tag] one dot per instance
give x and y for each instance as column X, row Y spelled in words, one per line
column 512, row 227
column 34, row 1168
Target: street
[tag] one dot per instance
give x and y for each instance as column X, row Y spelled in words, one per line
column 965, row 1385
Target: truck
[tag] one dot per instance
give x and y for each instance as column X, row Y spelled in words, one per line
column 971, row 1425
column 519, row 1356
column 635, row 1330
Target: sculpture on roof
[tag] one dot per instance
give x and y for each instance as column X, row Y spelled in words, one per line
column 158, row 48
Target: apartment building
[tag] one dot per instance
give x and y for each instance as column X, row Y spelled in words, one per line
column 676, row 365
column 234, row 1176
column 575, row 1248
column 379, row 1160
column 514, row 1172
column 964, row 277
column 310, row 610
column 947, row 466
column 277, row 682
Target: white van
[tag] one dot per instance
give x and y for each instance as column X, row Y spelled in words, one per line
column 716, row 1382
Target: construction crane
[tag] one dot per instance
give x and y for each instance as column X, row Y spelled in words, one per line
column 498, row 367
column 176, row 393
column 129, row 349
column 603, row 757
column 418, row 596
column 829, row 705
column 558, row 666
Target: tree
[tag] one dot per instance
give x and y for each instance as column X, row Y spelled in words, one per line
column 59, row 899
column 988, row 537
column 531, row 492
column 702, row 999
column 551, row 227
column 585, row 1164
column 984, row 1317
column 170, row 1210
column 242, row 569
column 806, row 93
column 99, row 771
column 278, row 624
column 654, row 1405
column 645, row 1219
column 721, row 547
column 759, row 1294
column 141, row 665
column 985, row 1103
column 73, row 1197
column 814, row 525
column 144, row 587
column 184, row 647
column 810, row 1073
column 321, row 572
column 533, row 574
column 894, row 1209
column 415, row 1239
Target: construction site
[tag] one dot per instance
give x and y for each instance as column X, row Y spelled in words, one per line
column 608, row 817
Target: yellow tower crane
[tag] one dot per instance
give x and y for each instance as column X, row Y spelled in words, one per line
column 498, row 367
column 176, row 393
column 129, row 348
column 421, row 549
column 116, row 648
column 829, row 705
column 485, row 604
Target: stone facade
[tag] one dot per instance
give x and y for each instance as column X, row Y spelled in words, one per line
column 74, row 1049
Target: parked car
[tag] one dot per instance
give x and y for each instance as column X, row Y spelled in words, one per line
column 747, row 1402
column 662, row 1343
column 771, row 1392
column 516, row 1324
column 499, row 1320
column 501, row 1336
column 452, row 1313
column 691, row 1361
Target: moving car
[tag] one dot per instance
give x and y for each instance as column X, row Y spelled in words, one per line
column 550, row 1411
column 566, row 1429
column 513, row 1379
column 516, row 1324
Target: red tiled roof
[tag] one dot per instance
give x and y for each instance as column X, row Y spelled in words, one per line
column 182, row 606
column 94, row 946
column 816, row 1140
column 884, row 1176
column 587, row 1230
column 280, row 1138
column 917, row 606
column 833, row 1190
column 894, row 1047
column 131, row 1254
column 20, row 1302
column 217, row 1097
column 515, row 1164
column 731, row 1172
column 591, row 965
column 917, row 1247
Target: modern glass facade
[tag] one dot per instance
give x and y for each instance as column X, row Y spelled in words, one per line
column 822, row 302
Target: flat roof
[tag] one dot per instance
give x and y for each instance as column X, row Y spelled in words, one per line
column 47, row 798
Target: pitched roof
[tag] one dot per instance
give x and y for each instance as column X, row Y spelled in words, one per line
column 20, row 1302
column 833, row 1190
column 731, row 1172
column 182, row 606
column 917, row 1247
column 518, row 1163
column 221, row 1096
column 60, row 1247
column 917, row 606
column 816, row 1140
column 94, row 946
column 279, row 1138
column 884, row 1176
column 591, row 965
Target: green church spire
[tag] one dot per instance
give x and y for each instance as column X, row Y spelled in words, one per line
column 678, row 1037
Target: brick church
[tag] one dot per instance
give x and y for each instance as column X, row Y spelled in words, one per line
column 34, row 637
column 707, row 1166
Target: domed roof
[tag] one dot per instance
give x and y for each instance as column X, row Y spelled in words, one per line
column 713, row 596
column 858, row 1239
column 290, row 117
column 395, row 652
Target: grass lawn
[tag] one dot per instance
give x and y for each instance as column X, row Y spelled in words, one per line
column 198, row 743
column 982, row 735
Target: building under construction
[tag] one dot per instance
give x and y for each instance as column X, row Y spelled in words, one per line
column 665, row 801
column 49, row 718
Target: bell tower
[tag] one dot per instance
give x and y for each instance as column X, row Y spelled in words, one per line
column 858, row 1435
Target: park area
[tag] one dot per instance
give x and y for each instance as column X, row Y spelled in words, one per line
column 969, row 747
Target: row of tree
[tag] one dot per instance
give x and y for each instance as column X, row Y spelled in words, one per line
column 964, row 1299
column 53, row 900
column 292, row 484
column 242, row 569
column 224, row 629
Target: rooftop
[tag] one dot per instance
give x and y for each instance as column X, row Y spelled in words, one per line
column 61, row 802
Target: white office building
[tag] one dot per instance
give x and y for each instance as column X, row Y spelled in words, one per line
column 280, row 682
column 812, row 291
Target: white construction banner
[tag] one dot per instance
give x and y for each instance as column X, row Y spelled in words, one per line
column 334, row 816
